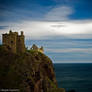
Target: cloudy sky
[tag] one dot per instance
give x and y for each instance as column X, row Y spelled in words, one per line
column 63, row 27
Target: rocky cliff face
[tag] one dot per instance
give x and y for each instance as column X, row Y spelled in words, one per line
column 28, row 72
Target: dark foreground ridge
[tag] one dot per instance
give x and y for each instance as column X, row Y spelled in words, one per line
column 31, row 71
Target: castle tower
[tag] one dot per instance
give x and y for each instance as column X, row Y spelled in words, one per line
column 14, row 42
column 10, row 40
column 20, row 43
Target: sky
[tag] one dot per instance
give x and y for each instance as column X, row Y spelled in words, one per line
column 63, row 27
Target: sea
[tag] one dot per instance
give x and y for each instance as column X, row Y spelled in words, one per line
column 74, row 76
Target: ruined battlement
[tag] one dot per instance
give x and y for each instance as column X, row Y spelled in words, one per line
column 14, row 42
column 34, row 47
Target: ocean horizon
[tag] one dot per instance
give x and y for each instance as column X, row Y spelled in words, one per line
column 74, row 76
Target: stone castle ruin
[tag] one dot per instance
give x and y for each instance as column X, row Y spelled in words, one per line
column 34, row 47
column 15, row 43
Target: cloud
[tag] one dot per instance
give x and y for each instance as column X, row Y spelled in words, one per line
column 45, row 29
column 3, row 27
column 60, row 13
column 71, row 50
column 56, row 23
column 21, row 10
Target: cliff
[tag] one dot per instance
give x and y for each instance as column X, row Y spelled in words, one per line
column 31, row 71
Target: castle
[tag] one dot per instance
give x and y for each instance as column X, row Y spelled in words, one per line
column 15, row 43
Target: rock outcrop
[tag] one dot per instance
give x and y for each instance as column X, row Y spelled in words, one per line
column 31, row 71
